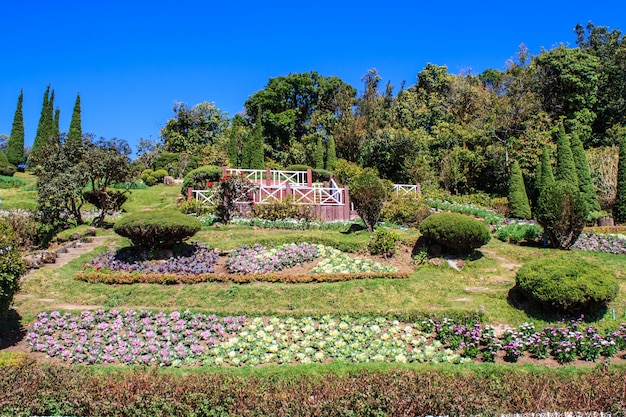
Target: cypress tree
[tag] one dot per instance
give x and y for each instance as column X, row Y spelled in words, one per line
column 3, row 159
column 331, row 154
column 15, row 146
column 565, row 167
column 546, row 176
column 319, row 153
column 257, row 156
column 620, row 200
column 584, row 177
column 519, row 207
column 232, row 150
column 43, row 128
column 56, row 131
column 75, row 134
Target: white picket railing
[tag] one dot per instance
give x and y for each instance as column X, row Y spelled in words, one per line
column 265, row 194
column 407, row 189
column 276, row 177
column 204, row 196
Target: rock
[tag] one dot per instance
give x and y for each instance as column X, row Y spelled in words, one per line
column 167, row 180
column 436, row 261
column 90, row 231
column 75, row 236
column 36, row 259
column 47, row 257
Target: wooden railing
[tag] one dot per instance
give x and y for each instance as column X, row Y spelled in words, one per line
column 272, row 176
column 407, row 190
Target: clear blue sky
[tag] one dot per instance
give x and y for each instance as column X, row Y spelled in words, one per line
column 130, row 60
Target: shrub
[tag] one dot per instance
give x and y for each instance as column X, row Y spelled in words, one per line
column 157, row 228
column 7, row 182
column 199, row 177
column 297, row 167
column 383, row 242
column 567, row 285
column 7, row 170
column 517, row 232
column 320, row 175
column 282, row 210
column 367, row 192
column 151, row 177
column 457, row 232
column 229, row 192
column 26, row 227
column 561, row 211
column 11, row 266
column 405, row 211
column 197, row 207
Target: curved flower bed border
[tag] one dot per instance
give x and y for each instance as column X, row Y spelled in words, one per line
column 172, row 279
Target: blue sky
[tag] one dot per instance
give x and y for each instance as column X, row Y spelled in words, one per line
column 130, row 60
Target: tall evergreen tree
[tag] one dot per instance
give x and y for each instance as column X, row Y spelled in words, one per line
column 319, row 153
column 546, row 176
column 519, row 206
column 44, row 126
column 15, row 146
column 584, row 177
column 56, row 129
column 565, row 167
column 256, row 152
column 331, row 154
column 620, row 200
column 75, row 134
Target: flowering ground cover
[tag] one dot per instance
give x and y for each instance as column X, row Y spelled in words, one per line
column 193, row 259
column 335, row 261
column 615, row 244
column 565, row 342
column 193, row 339
column 256, row 259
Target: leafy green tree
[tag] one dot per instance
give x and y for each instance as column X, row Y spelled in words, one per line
column 584, row 177
column 331, row 155
column 287, row 106
column 565, row 166
column 319, row 153
column 193, row 128
column 610, row 49
column 568, row 83
column 238, row 134
column 620, row 200
column 75, row 133
column 519, row 206
column 368, row 194
column 60, row 185
column 106, row 162
column 147, row 152
column 15, row 146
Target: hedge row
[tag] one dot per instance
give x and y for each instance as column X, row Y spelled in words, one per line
column 170, row 279
column 42, row 389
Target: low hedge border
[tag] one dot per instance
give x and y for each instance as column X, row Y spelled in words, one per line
column 172, row 279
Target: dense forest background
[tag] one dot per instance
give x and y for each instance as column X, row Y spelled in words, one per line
column 460, row 132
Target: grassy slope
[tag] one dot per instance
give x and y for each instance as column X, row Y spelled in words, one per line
column 482, row 285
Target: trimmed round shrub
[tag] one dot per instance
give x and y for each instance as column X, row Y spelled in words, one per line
column 566, row 285
column 12, row 266
column 456, row 232
column 157, row 228
column 562, row 212
column 199, row 177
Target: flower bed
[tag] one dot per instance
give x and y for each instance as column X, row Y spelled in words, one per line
column 257, row 259
column 615, row 244
column 564, row 343
column 196, row 259
column 192, row 339
column 337, row 262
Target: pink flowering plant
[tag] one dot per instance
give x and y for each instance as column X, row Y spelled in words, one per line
column 257, row 259
column 615, row 244
column 187, row 259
